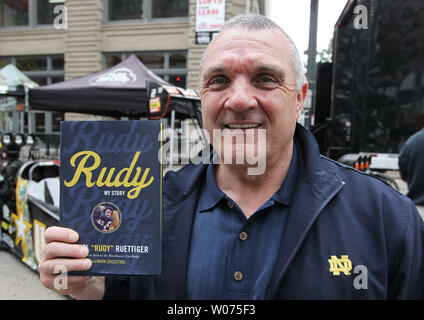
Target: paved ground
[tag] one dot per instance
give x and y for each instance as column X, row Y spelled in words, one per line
column 18, row 282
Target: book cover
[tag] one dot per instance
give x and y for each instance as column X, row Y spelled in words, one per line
column 111, row 193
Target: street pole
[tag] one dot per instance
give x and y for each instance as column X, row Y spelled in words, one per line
column 171, row 150
column 311, row 73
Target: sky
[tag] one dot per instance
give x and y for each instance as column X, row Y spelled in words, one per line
column 293, row 17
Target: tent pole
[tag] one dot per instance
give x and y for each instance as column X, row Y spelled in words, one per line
column 28, row 111
column 21, row 121
column 29, row 122
column 171, row 150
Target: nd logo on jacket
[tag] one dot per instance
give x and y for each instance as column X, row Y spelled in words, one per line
column 344, row 265
column 340, row 265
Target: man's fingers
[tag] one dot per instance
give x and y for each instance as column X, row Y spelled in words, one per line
column 54, row 274
column 54, row 250
column 60, row 234
column 56, row 266
column 60, row 255
column 64, row 284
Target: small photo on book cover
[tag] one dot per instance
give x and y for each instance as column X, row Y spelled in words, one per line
column 111, row 193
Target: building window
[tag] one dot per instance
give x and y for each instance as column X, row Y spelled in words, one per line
column 14, row 13
column 170, row 65
column 125, row 9
column 57, row 63
column 177, row 60
column 40, row 122
column 117, row 10
column 4, row 61
column 152, row 60
column 169, row 8
column 45, row 11
column 40, row 69
column 47, row 122
column 30, row 13
column 31, row 63
column 43, row 70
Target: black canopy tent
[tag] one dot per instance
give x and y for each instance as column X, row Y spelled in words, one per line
column 117, row 91
column 127, row 89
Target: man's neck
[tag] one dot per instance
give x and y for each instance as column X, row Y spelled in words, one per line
column 250, row 192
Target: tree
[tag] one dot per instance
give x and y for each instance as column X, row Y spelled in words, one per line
column 326, row 55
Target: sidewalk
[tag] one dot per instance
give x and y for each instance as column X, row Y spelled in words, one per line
column 18, row 282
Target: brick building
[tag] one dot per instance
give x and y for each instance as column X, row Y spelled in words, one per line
column 56, row 40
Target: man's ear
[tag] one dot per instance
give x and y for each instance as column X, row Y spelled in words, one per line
column 300, row 99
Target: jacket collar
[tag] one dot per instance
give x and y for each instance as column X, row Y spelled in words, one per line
column 182, row 190
column 315, row 187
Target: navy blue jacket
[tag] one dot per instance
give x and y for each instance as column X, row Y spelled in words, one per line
column 336, row 212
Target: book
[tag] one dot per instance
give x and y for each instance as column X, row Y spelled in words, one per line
column 111, row 193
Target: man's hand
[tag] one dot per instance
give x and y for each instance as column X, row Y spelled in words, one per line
column 62, row 254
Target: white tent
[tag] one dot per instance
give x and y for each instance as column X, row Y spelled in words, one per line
column 13, row 85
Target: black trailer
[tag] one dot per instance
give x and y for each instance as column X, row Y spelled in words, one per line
column 371, row 98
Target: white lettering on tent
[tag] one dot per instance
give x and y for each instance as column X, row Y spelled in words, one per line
column 118, row 76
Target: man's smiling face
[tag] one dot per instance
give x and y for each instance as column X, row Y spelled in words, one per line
column 248, row 83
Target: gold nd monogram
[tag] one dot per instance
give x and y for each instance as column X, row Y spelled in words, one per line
column 340, row 265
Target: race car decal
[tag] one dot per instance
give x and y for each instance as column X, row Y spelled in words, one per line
column 39, row 229
column 21, row 220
